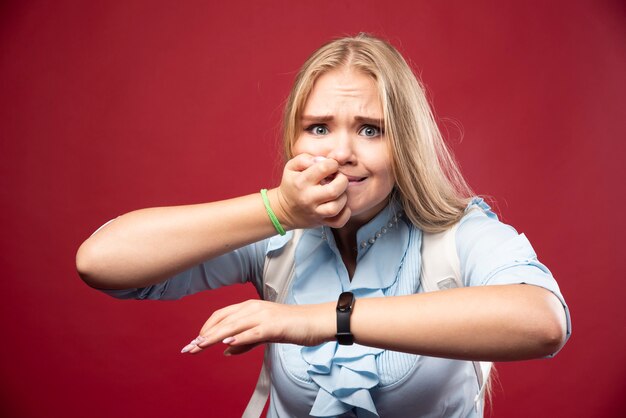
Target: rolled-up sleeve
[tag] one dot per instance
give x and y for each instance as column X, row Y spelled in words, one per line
column 493, row 253
column 239, row 266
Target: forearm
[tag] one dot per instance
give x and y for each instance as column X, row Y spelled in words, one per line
column 149, row 245
column 492, row 323
column 497, row 323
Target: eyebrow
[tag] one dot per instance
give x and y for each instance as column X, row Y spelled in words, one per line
column 328, row 118
column 312, row 118
column 370, row 121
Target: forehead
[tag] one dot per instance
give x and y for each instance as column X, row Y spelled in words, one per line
column 344, row 87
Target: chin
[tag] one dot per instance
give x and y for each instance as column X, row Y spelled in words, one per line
column 363, row 215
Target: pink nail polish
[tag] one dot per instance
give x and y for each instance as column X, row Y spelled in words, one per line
column 228, row 340
column 187, row 348
column 199, row 339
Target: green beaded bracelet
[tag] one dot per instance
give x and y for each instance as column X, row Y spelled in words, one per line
column 271, row 214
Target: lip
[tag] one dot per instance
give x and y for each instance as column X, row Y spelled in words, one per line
column 351, row 179
column 354, row 179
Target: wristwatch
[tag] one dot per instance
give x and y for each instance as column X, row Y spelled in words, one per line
column 345, row 303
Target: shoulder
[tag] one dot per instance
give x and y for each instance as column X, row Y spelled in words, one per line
column 491, row 251
column 481, row 227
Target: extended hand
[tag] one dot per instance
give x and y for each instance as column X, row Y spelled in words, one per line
column 245, row 325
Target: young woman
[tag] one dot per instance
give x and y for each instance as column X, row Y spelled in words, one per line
column 367, row 176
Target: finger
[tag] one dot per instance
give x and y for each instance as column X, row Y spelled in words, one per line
column 193, row 344
column 196, row 347
column 332, row 208
column 340, row 219
column 216, row 318
column 334, row 188
column 320, row 171
column 223, row 322
column 331, row 194
column 239, row 349
column 225, row 329
column 246, row 333
column 252, row 336
column 223, row 314
column 300, row 162
column 255, row 327
column 238, row 317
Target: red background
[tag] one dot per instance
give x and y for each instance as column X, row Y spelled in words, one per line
column 111, row 106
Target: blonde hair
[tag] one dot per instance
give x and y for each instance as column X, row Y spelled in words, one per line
column 428, row 182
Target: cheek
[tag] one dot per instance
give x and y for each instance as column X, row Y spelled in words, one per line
column 387, row 180
column 297, row 147
column 387, row 173
column 305, row 145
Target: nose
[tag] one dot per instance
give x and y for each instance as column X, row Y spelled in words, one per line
column 343, row 149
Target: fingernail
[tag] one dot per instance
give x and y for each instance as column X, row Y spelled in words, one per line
column 228, row 340
column 199, row 339
column 188, row 348
column 318, row 159
column 227, row 353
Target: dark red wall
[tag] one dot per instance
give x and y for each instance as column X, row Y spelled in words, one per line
column 111, row 106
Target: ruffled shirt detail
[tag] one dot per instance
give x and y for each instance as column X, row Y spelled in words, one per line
column 480, row 203
column 345, row 374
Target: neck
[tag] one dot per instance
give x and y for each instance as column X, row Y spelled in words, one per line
column 345, row 238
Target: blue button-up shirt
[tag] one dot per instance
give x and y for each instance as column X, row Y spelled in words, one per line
column 332, row 380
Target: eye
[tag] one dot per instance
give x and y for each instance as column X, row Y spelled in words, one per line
column 370, row 131
column 317, row 129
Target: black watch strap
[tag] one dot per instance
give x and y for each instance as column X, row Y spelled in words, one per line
column 345, row 303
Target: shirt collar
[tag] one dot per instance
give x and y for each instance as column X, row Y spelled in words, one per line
column 367, row 235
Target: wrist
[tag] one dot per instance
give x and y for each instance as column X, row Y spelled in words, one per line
column 317, row 323
column 329, row 321
column 270, row 213
column 279, row 206
column 344, row 308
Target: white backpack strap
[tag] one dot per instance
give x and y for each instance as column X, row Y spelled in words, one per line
column 441, row 269
column 277, row 276
column 278, row 270
column 482, row 369
column 261, row 391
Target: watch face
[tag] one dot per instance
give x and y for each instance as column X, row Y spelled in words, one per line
column 345, row 301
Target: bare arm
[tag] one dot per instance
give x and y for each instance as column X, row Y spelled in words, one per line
column 496, row 323
column 147, row 246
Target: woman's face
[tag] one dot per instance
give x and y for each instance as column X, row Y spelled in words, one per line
column 343, row 120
